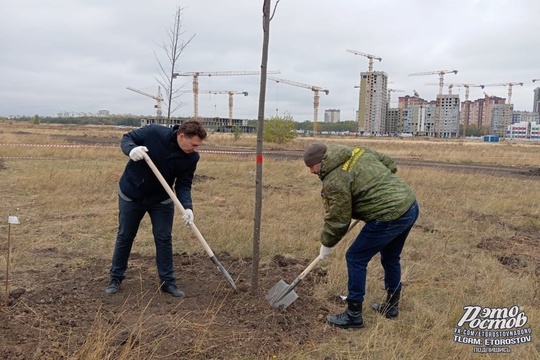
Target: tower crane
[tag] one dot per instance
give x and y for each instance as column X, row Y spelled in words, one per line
column 441, row 74
column 369, row 56
column 510, row 85
column 367, row 102
column 196, row 75
column 509, row 101
column 158, row 98
column 231, row 94
column 315, row 90
column 487, row 109
column 390, row 91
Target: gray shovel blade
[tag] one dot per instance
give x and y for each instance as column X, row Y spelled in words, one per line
column 275, row 296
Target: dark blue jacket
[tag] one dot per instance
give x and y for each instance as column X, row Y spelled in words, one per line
column 139, row 183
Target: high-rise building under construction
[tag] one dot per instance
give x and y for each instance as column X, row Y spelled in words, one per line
column 373, row 103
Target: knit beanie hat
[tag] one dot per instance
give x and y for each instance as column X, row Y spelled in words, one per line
column 314, row 153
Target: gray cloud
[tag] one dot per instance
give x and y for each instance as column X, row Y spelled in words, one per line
column 65, row 55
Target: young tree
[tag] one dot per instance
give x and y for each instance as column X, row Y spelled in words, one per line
column 173, row 49
column 279, row 129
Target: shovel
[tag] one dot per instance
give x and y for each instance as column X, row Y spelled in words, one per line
column 282, row 295
column 192, row 226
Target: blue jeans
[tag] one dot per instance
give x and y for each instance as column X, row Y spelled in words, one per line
column 129, row 218
column 385, row 237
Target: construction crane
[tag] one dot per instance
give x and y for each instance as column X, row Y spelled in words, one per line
column 367, row 102
column 510, row 85
column 390, row 91
column 315, row 90
column 487, row 109
column 369, row 56
column 196, row 75
column 509, row 101
column 231, row 94
column 441, row 74
column 158, row 98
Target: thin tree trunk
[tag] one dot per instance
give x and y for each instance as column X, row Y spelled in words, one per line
column 260, row 128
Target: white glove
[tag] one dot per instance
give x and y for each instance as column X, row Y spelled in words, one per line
column 188, row 217
column 325, row 251
column 137, row 153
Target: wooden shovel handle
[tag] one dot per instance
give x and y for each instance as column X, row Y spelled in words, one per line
column 319, row 258
column 171, row 193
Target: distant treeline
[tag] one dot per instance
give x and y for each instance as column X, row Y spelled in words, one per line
column 342, row 126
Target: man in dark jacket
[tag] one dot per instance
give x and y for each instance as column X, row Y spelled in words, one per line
column 174, row 152
column 359, row 183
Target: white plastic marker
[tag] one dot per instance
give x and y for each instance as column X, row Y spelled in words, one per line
column 15, row 221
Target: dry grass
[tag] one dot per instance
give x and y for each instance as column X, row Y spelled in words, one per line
column 68, row 202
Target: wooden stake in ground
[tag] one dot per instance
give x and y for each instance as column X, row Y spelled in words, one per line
column 11, row 220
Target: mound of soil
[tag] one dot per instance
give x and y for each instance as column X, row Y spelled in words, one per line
column 63, row 312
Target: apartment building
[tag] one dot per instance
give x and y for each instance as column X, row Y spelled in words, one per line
column 447, row 122
column 373, row 103
column 536, row 100
column 332, row 115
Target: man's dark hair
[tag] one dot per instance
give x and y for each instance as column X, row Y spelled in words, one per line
column 191, row 128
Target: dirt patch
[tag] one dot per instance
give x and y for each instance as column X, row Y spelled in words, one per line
column 520, row 253
column 62, row 311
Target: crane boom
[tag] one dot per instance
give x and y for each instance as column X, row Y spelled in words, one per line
column 315, row 90
column 158, row 98
column 299, row 84
column 466, row 86
column 510, row 85
column 369, row 56
column 196, row 75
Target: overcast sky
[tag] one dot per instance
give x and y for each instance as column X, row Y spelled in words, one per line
column 80, row 55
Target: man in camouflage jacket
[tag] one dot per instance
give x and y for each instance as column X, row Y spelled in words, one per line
column 360, row 183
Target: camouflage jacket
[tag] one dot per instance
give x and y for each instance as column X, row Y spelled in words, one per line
column 359, row 183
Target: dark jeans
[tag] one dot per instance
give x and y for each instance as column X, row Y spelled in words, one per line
column 129, row 218
column 386, row 237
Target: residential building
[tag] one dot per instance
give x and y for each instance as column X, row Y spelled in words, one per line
column 499, row 119
column 536, row 100
column 332, row 115
column 527, row 116
column 447, row 121
column 373, row 103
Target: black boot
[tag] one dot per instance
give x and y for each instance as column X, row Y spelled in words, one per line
column 389, row 308
column 351, row 318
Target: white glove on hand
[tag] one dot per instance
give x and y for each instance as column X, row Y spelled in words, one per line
column 137, row 153
column 325, row 251
column 188, row 218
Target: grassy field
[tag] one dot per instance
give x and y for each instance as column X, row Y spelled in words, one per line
column 476, row 242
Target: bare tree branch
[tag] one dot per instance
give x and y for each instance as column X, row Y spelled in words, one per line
column 173, row 49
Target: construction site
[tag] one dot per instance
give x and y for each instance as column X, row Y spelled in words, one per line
column 447, row 116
